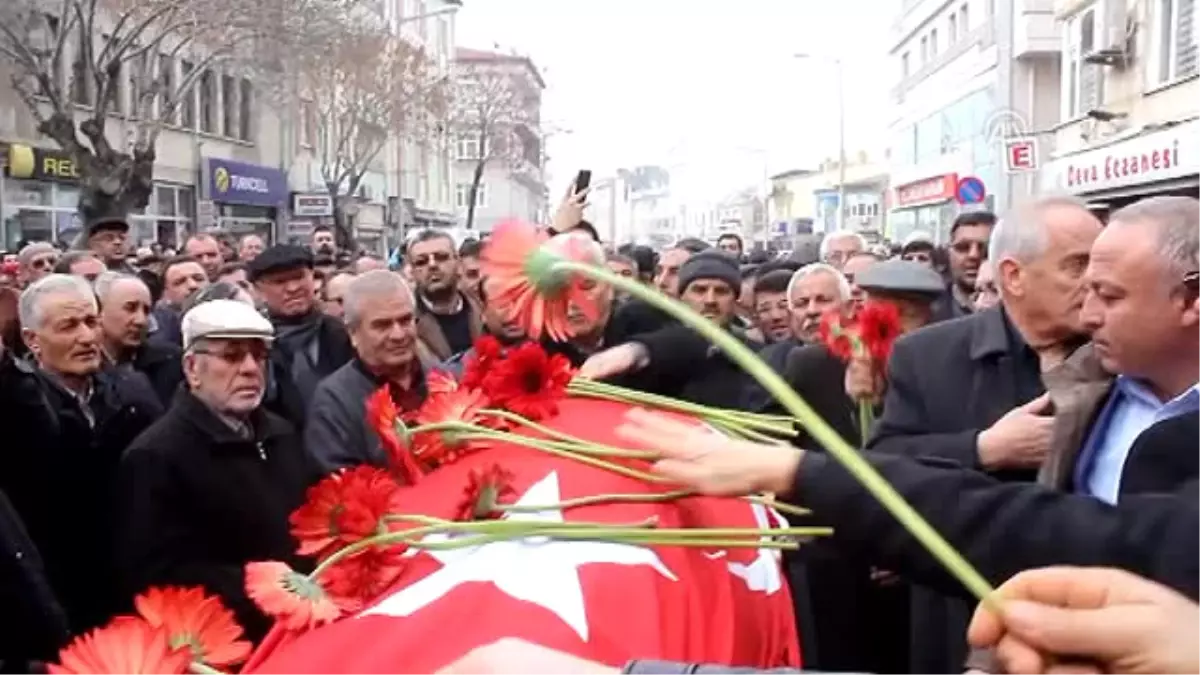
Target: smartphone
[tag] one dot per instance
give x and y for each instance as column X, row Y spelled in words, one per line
column 582, row 180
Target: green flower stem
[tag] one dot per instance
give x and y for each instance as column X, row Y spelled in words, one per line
column 589, row 388
column 744, row 433
column 556, row 449
column 730, row 413
column 203, row 669
column 818, row 428
column 592, row 500
column 575, row 535
column 782, row 507
column 582, row 445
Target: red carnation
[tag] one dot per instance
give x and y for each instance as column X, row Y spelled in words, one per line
column 529, row 382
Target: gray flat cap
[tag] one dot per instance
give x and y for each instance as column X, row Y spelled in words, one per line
column 900, row 276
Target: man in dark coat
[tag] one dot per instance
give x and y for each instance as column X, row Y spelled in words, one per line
column 35, row 625
column 125, row 307
column 66, row 420
column 209, row 487
column 313, row 343
column 968, row 392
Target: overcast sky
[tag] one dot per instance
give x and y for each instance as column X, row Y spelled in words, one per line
column 696, row 86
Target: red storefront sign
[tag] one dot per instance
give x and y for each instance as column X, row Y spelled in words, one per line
column 935, row 189
column 1166, row 154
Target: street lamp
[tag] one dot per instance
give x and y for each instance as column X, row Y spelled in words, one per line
column 841, row 98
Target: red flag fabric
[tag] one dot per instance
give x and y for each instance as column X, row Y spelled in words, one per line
column 602, row 601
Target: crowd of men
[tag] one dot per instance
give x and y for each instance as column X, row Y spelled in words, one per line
column 165, row 413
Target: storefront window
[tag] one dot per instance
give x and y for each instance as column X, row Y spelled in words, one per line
column 66, row 197
column 29, row 224
column 28, row 193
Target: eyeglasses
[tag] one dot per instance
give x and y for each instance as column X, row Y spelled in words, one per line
column 423, row 260
column 235, row 354
column 967, row 246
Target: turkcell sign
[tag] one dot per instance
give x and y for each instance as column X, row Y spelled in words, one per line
column 232, row 182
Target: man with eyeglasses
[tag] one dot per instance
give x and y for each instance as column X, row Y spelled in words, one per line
column 838, row 247
column 968, row 250
column 209, row 486
column 448, row 320
column 35, row 261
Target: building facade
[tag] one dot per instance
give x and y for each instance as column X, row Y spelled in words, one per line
column 232, row 159
column 969, row 74
column 513, row 185
column 1129, row 125
column 805, row 201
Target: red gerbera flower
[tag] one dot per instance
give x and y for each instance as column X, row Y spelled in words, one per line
column 485, row 353
column 290, row 597
column 343, row 508
column 356, row 581
column 435, row 448
column 484, row 491
column 518, row 269
column 128, row 644
column 200, row 622
column 439, row 381
column 384, row 417
column 529, row 382
column 879, row 328
column 835, row 335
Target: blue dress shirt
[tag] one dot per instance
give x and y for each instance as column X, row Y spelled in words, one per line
column 1130, row 410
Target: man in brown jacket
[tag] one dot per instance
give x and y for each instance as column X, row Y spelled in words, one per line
column 448, row 320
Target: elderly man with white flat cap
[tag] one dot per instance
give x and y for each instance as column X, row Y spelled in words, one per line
column 209, row 486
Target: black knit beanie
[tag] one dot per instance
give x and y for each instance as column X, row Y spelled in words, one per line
column 711, row 264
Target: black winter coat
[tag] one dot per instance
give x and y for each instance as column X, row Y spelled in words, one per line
column 162, row 364
column 35, row 625
column 200, row 501
column 59, row 470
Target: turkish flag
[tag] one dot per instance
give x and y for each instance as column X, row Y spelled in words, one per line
column 606, row 602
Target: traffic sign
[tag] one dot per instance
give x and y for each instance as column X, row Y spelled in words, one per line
column 1020, row 155
column 969, row 190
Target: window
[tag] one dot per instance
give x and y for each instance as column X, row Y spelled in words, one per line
column 51, row 39
column 140, row 73
column 952, row 33
column 208, row 102
column 462, row 195
column 1173, row 50
column 1082, row 82
column 924, row 49
column 187, row 100
column 229, row 106
column 468, row 148
column 308, row 124
column 964, row 21
column 933, row 43
column 166, row 83
column 245, row 110
column 904, row 65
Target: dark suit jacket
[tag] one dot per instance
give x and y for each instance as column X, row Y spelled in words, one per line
column 1007, row 527
column 820, row 379
column 946, row 383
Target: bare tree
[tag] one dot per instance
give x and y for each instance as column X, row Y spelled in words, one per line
column 365, row 87
column 78, row 64
column 491, row 109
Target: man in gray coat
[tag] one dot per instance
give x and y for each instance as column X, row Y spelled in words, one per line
column 380, row 319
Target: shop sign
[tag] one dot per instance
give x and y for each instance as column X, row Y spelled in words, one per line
column 935, row 189
column 1161, row 155
column 41, row 164
column 230, row 182
column 311, row 205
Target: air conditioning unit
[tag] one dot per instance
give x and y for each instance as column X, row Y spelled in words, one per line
column 1116, row 51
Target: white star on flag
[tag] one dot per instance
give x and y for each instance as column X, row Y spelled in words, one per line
column 533, row 569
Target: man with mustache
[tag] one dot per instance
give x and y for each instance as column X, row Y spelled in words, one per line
column 67, row 417
column 124, row 321
column 315, row 345
column 448, row 320
column 968, row 250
